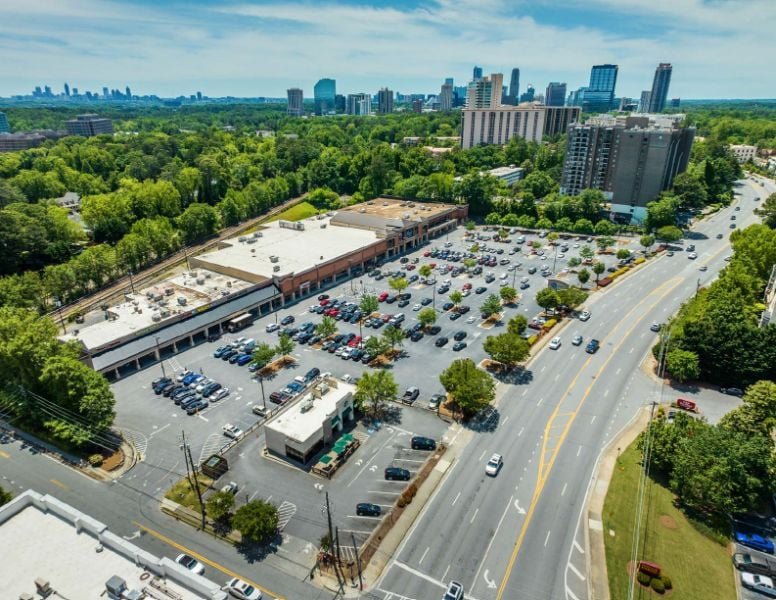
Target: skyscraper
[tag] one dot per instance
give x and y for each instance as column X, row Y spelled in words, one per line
column 485, row 92
column 555, row 94
column 449, row 81
column 67, row 90
column 385, row 101
column 446, row 97
column 4, row 126
column 359, row 104
column 513, row 95
column 644, row 101
column 476, row 73
column 659, row 93
column 325, row 94
column 603, row 80
column 528, row 96
column 129, row 93
column 295, row 102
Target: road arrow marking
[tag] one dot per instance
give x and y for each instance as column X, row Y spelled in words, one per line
column 491, row 583
column 519, row 510
column 373, row 468
column 134, row 536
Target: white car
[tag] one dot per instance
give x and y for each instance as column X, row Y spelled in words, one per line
column 230, row 487
column 494, row 465
column 191, row 563
column 271, row 327
column 417, row 307
column 232, row 431
column 471, row 319
column 242, row 590
column 759, row 583
column 503, row 276
column 203, row 384
column 555, row 343
column 692, row 256
column 584, row 315
column 219, row 395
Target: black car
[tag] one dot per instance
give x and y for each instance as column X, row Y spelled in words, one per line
column 422, row 443
column 455, row 316
column 463, row 309
column 229, row 354
column 434, row 330
column 390, row 299
column 185, row 396
column 425, row 302
column 402, row 303
column 733, row 391
column 171, row 388
column 160, row 380
column 287, row 320
column 397, row 474
column 458, row 346
column 447, row 306
column 480, row 290
column 416, row 336
column 197, row 406
column 323, row 297
column 459, row 335
column 365, row 509
column 312, row 373
column 441, row 341
column 531, row 270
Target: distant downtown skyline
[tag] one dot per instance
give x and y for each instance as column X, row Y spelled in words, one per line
column 263, row 47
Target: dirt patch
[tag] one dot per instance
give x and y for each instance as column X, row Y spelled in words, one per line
column 112, row 462
column 668, row 522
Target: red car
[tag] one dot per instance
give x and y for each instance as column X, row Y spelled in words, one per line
column 467, row 286
column 324, row 302
column 355, row 341
column 427, row 253
column 386, row 318
column 432, row 265
column 331, row 312
column 409, row 267
column 382, row 296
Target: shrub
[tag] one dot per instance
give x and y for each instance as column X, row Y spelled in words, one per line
column 95, row 460
column 666, row 582
column 550, row 324
column 401, row 503
column 643, row 578
column 412, row 489
column 657, row 585
column 532, row 340
column 640, row 260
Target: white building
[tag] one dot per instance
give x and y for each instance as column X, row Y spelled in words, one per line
column 445, row 97
column 485, row 92
column 499, row 125
column 509, row 175
column 359, row 104
column 54, row 550
column 743, row 153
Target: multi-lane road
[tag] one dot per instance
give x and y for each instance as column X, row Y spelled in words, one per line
column 520, row 535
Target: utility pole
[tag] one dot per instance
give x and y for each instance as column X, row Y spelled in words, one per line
column 131, row 282
column 186, row 255
column 261, row 383
column 358, row 562
column 187, row 451
column 331, row 540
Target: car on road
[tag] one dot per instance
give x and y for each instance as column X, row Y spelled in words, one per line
column 440, row 341
column 494, row 465
column 397, row 474
column 719, row 236
column 190, row 563
column 287, row 320
column 692, row 256
column 703, row 268
column 654, row 327
column 592, row 346
column 759, row 583
column 420, row 442
column 577, row 340
column 584, row 315
column 242, row 590
column 753, row 540
column 555, row 343
column 732, row 391
column 454, row 591
column 232, row 431
column 366, row 509
column 754, row 564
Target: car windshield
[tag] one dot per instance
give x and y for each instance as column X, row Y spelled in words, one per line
column 187, row 561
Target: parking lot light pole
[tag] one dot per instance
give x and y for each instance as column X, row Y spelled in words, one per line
column 261, row 383
column 159, row 352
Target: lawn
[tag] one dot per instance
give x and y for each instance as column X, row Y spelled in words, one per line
column 184, row 493
column 297, row 212
column 699, row 567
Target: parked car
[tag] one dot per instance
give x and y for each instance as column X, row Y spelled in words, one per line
column 232, row 431
column 397, row 474
column 494, row 465
column 732, row 391
column 219, row 395
column 287, row 320
column 459, row 335
column 271, row 327
column 220, row 350
column 410, row 395
column 368, row 510
column 242, row 590
column 458, row 346
column 190, row 563
column 422, row 443
column 229, row 354
column 753, row 540
column 435, row 401
column 440, row 341
column 196, row 406
column 759, row 583
column 754, row 564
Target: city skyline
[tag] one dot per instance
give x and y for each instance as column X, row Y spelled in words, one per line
column 182, row 47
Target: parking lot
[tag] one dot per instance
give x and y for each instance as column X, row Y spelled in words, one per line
column 155, row 424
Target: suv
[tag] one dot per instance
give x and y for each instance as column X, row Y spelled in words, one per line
column 592, row 346
column 397, row 474
column 410, row 395
column 423, row 443
column 454, row 591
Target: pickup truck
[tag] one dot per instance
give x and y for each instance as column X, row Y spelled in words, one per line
column 592, row 346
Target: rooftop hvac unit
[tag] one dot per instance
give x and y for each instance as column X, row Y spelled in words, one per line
column 208, row 275
column 164, row 313
column 42, row 586
column 201, row 280
column 276, row 268
column 182, row 300
column 306, row 405
column 156, row 317
column 406, row 216
column 193, row 274
column 252, row 241
column 241, row 238
column 323, row 225
column 385, row 204
column 229, row 283
column 411, row 204
column 273, row 259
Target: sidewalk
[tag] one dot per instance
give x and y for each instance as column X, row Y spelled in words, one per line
column 598, row 580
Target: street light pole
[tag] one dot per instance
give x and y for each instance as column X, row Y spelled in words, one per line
column 261, row 383
column 159, row 352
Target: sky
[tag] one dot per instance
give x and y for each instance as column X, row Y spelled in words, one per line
column 248, row 48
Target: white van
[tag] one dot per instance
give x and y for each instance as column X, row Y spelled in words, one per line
column 248, row 345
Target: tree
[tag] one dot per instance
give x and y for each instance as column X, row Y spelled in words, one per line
column 661, row 212
column 469, row 263
column 669, row 234
column 425, row 270
column 491, row 306
column 470, row 225
column 548, row 299
column 285, row 345
column 586, row 252
column 553, row 237
column 574, row 261
column 198, row 222
column 471, row 388
column 257, row 521
column 598, row 268
column 327, row 327
column 584, row 276
column 399, row 284
column 646, row 241
column 571, row 297
column 604, row 242
column 757, row 414
column 517, row 325
column 690, row 191
column 492, row 218
column 219, row 505
column 5, row 497
column 683, row 364
column 393, row 336
column 369, row 303
column 262, row 354
column 623, row 253
column 604, row 227
column 456, row 297
column 508, row 294
column 427, row 317
column 768, row 211
column 507, row 349
column 376, row 346
column 374, row 391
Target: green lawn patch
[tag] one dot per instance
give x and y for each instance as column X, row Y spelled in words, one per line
column 184, row 493
column 699, row 567
column 300, row 211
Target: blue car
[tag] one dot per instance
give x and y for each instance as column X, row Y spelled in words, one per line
column 219, row 351
column 755, row 541
column 243, row 359
column 189, row 378
column 295, row 386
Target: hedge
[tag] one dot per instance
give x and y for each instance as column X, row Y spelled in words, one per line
column 643, row 578
column 550, row 324
column 657, row 585
column 532, row 340
column 640, row 260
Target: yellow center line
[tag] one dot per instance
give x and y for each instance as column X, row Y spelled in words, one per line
column 205, row 560
column 544, row 472
column 58, row 483
column 4, row 454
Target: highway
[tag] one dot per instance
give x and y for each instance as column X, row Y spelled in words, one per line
column 519, row 535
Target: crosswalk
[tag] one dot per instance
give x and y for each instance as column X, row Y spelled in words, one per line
column 213, row 443
column 138, row 440
column 286, row 510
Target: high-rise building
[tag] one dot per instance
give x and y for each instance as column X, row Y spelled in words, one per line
column 630, row 159
column 600, row 95
column 644, row 101
column 555, row 94
column 497, row 125
column 476, row 73
column 105, row 92
column 485, row 92
column 449, row 81
column 446, row 97
column 660, row 84
column 359, row 104
column 340, row 103
column 128, row 93
column 513, row 95
column 558, row 118
column 325, row 95
column 459, row 95
column 67, row 90
column 676, row 102
column 529, row 94
column 4, row 126
column 88, row 125
column 385, row 101
column 417, row 106
column 295, row 102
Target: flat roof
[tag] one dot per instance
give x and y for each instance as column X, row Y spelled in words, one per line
column 300, row 425
column 296, row 250
column 42, row 542
column 403, row 210
column 502, row 171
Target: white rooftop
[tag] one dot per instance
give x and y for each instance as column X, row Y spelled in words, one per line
column 297, row 251
column 504, row 171
column 40, row 541
column 300, row 425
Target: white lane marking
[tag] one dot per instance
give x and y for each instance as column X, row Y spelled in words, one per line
column 618, row 371
column 417, row 573
column 606, row 393
column 420, row 562
column 525, row 392
column 547, row 539
column 540, row 402
column 458, row 495
column 371, row 458
column 576, row 571
column 563, row 491
column 570, row 594
column 482, row 455
column 519, row 433
column 593, row 419
column 492, row 537
column 474, row 516
column 578, row 547
column 158, row 430
column 444, row 575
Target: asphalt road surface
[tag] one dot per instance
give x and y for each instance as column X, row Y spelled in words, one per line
column 519, row 535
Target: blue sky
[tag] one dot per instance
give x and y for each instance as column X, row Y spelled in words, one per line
column 719, row 48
